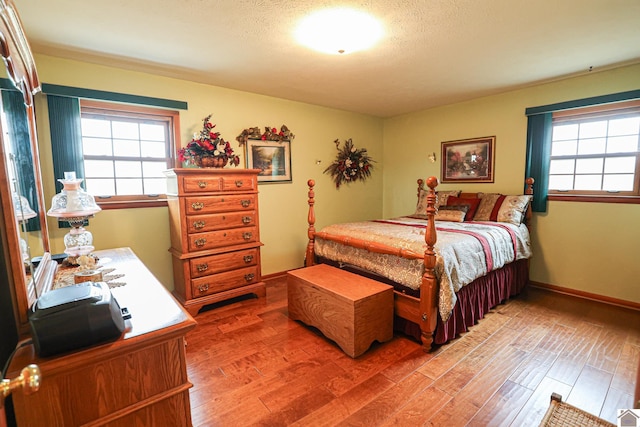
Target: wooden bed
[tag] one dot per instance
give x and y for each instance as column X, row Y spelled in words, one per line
column 420, row 313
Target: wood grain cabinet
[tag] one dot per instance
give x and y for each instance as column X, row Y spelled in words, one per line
column 215, row 235
column 140, row 379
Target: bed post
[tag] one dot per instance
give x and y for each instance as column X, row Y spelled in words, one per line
column 528, row 189
column 529, row 185
column 311, row 231
column 429, row 285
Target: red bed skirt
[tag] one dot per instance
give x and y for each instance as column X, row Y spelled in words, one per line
column 474, row 301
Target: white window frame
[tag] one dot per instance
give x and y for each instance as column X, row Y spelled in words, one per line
column 171, row 118
column 590, row 114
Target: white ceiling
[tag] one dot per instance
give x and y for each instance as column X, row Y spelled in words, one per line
column 434, row 52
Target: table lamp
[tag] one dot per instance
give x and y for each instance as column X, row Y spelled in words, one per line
column 74, row 205
column 23, row 213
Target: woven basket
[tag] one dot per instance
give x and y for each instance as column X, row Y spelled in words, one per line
column 562, row 414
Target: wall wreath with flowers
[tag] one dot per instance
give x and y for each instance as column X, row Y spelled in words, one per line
column 269, row 134
column 351, row 164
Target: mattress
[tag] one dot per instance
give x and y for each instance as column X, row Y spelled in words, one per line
column 465, row 251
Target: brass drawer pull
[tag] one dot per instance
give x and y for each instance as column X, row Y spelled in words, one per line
column 200, row 242
column 28, row 382
column 203, row 288
column 249, row 277
column 198, row 225
column 238, row 183
column 202, row 267
column 245, row 203
column 246, row 219
column 202, row 184
column 197, row 206
column 247, row 235
column 248, row 258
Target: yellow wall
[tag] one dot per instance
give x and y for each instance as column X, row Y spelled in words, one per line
column 589, row 247
column 583, row 246
column 283, row 207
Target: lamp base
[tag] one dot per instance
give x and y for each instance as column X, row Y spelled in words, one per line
column 77, row 251
column 74, row 260
column 78, row 241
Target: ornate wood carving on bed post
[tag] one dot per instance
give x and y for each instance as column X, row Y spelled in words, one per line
column 528, row 189
column 311, row 231
column 429, row 285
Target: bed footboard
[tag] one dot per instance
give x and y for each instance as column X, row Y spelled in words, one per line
column 424, row 310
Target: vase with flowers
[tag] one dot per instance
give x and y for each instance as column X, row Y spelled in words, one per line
column 207, row 149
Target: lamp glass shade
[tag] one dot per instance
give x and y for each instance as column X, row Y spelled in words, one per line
column 72, row 201
column 22, row 208
column 74, row 205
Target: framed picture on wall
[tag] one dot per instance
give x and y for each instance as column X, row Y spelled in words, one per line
column 273, row 158
column 468, row 160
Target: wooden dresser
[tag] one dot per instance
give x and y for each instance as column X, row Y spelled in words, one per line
column 215, row 235
column 140, row 379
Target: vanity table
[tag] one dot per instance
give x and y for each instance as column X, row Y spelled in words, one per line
column 138, row 380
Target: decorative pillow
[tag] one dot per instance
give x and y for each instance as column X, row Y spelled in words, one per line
column 513, row 209
column 488, row 208
column 472, row 202
column 451, row 213
column 463, row 208
column 443, row 196
column 421, row 207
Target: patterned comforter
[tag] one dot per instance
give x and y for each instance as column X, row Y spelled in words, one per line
column 464, row 251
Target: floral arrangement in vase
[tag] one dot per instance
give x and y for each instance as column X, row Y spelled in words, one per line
column 351, row 164
column 208, row 149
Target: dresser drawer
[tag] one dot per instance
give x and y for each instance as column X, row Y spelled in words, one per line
column 222, row 238
column 239, row 183
column 202, row 223
column 213, row 204
column 201, row 184
column 213, row 264
column 224, row 281
column 227, row 183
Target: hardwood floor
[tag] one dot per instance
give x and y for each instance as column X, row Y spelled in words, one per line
column 251, row 365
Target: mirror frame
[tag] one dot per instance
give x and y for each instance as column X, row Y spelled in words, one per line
column 21, row 69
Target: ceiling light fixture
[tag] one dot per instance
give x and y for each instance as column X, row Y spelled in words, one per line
column 339, row 31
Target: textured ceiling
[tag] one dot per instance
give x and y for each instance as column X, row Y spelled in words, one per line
column 434, row 52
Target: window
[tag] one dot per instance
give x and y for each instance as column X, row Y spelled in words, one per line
column 125, row 150
column 595, row 151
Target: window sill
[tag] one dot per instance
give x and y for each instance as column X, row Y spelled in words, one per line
column 594, row 199
column 131, row 204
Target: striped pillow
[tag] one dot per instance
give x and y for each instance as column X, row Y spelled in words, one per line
column 501, row 208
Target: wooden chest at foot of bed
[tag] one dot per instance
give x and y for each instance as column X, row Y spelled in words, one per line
column 351, row 310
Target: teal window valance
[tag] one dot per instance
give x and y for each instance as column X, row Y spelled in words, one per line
column 77, row 92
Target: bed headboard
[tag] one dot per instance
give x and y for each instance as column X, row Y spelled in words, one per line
column 469, row 195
